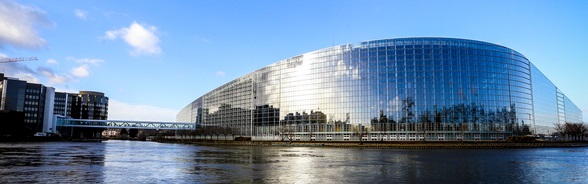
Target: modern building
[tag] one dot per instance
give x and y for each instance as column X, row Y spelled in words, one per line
column 82, row 105
column 38, row 104
column 392, row 89
column 34, row 100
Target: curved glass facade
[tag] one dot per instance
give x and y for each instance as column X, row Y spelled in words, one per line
column 393, row 89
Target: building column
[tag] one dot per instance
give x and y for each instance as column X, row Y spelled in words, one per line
column 48, row 120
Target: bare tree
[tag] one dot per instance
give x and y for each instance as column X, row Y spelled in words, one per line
column 198, row 132
column 208, row 130
column 360, row 131
column 216, row 130
column 561, row 130
column 583, row 131
column 571, row 131
column 310, row 131
column 286, row 131
column 224, row 130
column 577, row 131
column 282, row 132
column 232, row 131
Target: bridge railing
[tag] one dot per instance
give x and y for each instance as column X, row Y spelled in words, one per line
column 64, row 122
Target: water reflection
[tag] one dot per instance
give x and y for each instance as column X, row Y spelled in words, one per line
column 51, row 163
column 149, row 162
column 310, row 165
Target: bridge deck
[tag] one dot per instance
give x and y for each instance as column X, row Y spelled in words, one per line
column 63, row 122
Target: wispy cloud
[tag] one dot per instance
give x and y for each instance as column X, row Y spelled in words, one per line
column 23, row 72
column 17, row 25
column 81, row 14
column 141, row 37
column 52, row 61
column 46, row 75
column 52, row 77
column 81, row 71
column 26, row 77
column 90, row 61
column 93, row 61
column 201, row 39
column 111, row 14
column 118, row 110
column 18, row 69
column 220, row 73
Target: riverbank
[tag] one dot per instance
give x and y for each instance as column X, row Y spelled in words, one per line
column 29, row 139
column 391, row 145
column 47, row 139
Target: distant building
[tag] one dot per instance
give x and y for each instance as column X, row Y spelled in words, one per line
column 111, row 133
column 62, row 104
column 38, row 103
column 84, row 105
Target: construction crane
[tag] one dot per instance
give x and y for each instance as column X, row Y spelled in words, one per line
column 17, row 59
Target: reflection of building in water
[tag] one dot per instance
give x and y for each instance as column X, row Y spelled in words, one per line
column 398, row 89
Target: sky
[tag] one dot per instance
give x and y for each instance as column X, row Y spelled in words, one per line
column 152, row 58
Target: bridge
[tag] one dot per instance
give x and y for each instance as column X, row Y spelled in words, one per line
column 90, row 123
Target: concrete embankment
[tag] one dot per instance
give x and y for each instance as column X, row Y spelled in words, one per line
column 390, row 145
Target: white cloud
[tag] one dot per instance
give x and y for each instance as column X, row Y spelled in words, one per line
column 53, row 78
column 141, row 37
column 17, row 25
column 27, row 77
column 112, row 34
column 84, row 69
column 18, row 70
column 93, row 61
column 23, row 72
column 52, row 61
column 66, row 90
column 81, row 71
column 81, row 14
column 220, row 73
column 118, row 110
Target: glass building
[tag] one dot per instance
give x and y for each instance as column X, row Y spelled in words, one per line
column 392, row 89
column 29, row 98
column 83, row 105
column 37, row 104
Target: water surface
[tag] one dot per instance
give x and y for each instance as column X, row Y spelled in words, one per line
column 151, row 162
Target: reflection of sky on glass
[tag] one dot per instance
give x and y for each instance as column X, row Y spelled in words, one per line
column 315, row 82
column 447, row 80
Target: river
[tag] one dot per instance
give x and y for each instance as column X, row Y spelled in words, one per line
column 151, row 162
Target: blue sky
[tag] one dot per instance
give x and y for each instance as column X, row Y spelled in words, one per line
column 154, row 57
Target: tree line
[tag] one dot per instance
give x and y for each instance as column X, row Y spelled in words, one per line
column 571, row 131
column 210, row 131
